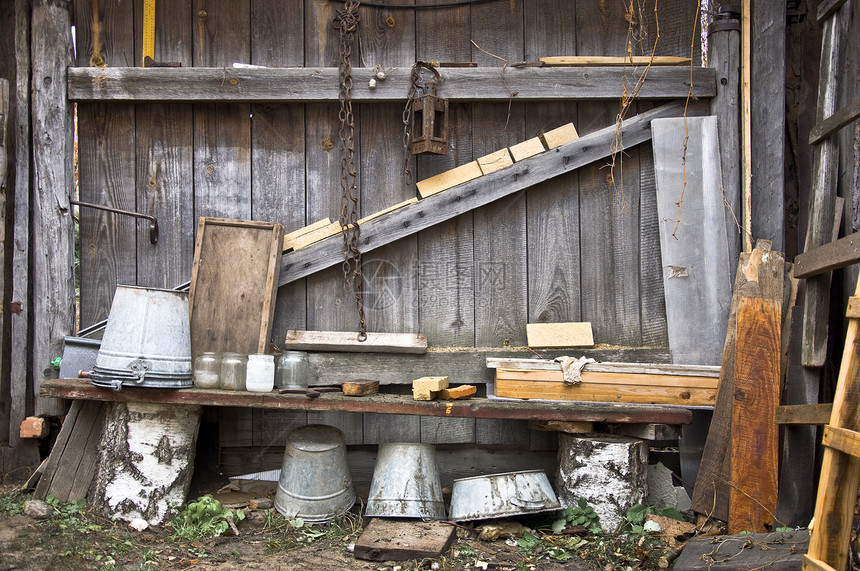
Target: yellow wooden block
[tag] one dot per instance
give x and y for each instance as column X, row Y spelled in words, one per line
column 447, row 179
column 560, row 136
column 527, row 149
column 386, row 211
column 288, row 238
column 426, row 388
column 495, row 161
column 573, row 334
column 314, row 236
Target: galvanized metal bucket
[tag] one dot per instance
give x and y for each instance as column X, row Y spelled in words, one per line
column 502, row 495
column 315, row 483
column 147, row 340
column 406, row 483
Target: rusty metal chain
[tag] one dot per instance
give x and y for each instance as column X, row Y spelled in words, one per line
column 346, row 22
column 416, row 84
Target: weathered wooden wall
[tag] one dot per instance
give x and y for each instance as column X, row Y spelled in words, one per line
column 571, row 249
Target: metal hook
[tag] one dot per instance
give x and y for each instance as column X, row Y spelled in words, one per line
column 153, row 221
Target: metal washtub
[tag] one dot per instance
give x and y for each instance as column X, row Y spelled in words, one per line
column 147, row 341
column 502, row 495
column 406, row 483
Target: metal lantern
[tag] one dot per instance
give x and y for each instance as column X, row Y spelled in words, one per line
column 428, row 115
column 430, row 125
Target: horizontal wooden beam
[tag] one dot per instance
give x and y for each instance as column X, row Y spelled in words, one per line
column 830, row 256
column 481, row 191
column 347, row 341
column 833, row 123
column 842, row 439
column 377, row 403
column 812, row 414
column 322, row 84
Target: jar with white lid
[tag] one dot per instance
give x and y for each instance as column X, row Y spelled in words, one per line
column 260, row 375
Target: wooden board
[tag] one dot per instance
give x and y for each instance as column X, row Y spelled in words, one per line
column 608, row 367
column 607, row 387
column 401, row 540
column 571, row 334
column 527, row 148
column 448, row 179
column 755, row 435
column 693, row 240
column 233, row 285
column 830, row 256
column 804, row 414
column 559, row 136
column 495, row 161
column 290, row 236
column 387, row 210
column 614, row 60
column 313, row 83
column 72, row 463
column 776, row 551
column 360, row 388
column 348, row 342
column 833, row 123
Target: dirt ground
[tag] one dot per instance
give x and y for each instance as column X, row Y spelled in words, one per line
column 74, row 538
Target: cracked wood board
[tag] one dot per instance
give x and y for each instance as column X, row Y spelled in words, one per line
column 392, row 540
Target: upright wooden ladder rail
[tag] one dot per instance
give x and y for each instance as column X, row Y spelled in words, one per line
column 840, row 468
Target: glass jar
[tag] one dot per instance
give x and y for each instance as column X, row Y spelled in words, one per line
column 293, row 370
column 207, row 371
column 233, row 368
column 260, row 377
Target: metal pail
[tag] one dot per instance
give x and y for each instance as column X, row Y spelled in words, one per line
column 406, row 483
column 315, row 484
column 147, row 340
column 502, row 495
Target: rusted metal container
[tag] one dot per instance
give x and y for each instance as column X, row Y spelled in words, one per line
column 406, row 483
column 502, row 495
column 315, row 483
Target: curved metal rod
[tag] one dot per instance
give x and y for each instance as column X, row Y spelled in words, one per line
column 153, row 221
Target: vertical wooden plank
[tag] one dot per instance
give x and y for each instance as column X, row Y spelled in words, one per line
column 692, row 238
column 106, row 148
column 609, row 198
column 106, row 152
column 53, row 183
column 278, row 145
column 5, row 230
column 446, row 274
column 18, row 187
column 493, row 431
column 278, row 193
column 350, row 423
column 816, row 305
column 222, row 32
column 767, row 122
column 277, row 32
column 447, row 430
column 321, row 44
column 501, row 303
column 724, row 56
column 380, row 428
column 164, row 161
column 755, row 435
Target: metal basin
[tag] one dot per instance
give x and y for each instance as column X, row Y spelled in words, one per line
column 147, row 340
column 315, row 484
column 502, row 495
column 406, row 483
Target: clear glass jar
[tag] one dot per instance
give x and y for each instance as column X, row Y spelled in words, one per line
column 233, row 369
column 293, row 370
column 207, row 371
column 260, row 377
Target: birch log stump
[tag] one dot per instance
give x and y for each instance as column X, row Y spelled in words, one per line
column 146, row 460
column 608, row 472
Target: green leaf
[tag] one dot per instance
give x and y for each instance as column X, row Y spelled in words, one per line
column 559, row 525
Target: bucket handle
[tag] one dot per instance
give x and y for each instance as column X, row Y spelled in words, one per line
column 528, row 504
column 139, row 368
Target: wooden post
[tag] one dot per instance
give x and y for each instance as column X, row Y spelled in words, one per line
column 53, row 306
column 5, row 409
column 724, row 56
column 767, row 122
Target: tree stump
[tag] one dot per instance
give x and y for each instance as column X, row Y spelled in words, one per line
column 146, row 460
column 609, row 472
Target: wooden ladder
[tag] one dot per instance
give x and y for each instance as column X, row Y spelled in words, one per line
column 840, row 469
